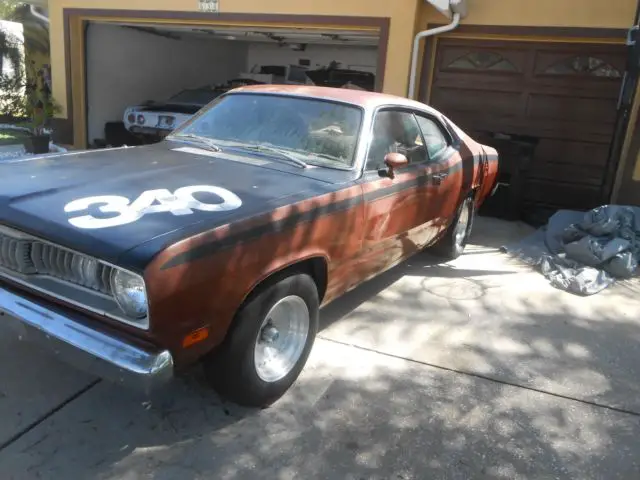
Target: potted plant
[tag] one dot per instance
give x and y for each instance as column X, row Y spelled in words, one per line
column 40, row 109
column 26, row 101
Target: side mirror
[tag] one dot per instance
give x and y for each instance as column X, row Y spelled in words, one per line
column 393, row 161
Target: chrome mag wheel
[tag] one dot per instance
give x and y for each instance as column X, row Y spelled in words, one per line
column 462, row 226
column 281, row 338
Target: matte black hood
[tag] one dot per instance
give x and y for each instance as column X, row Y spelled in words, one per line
column 35, row 192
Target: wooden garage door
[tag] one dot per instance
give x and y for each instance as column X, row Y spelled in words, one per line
column 564, row 96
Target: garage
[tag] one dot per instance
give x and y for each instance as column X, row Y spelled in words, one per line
column 550, row 108
column 149, row 66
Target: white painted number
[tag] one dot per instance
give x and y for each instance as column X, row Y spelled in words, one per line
column 180, row 202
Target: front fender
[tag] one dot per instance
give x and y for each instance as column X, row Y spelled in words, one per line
column 207, row 293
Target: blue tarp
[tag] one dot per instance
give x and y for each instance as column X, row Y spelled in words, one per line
column 584, row 253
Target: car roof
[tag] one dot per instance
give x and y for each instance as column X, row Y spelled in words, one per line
column 361, row 98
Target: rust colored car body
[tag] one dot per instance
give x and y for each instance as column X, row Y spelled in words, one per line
column 398, row 178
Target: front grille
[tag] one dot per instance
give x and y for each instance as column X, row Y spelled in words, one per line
column 28, row 256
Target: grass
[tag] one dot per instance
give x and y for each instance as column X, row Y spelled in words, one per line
column 11, row 137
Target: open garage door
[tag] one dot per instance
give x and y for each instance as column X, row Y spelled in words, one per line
column 559, row 98
column 143, row 81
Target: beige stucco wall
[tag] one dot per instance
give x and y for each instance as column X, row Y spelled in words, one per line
column 406, row 16
column 401, row 12
column 548, row 13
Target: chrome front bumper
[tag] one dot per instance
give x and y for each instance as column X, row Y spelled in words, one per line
column 95, row 352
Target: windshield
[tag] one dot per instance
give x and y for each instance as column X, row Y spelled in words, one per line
column 200, row 96
column 319, row 132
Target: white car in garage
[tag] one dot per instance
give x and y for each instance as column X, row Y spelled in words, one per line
column 157, row 119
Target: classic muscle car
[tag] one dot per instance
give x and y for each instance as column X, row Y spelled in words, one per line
column 221, row 243
column 154, row 120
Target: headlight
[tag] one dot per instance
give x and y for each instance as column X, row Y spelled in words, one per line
column 130, row 293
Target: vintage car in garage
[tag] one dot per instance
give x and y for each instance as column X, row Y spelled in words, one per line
column 220, row 244
column 154, row 120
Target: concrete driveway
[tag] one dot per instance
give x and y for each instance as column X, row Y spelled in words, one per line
column 472, row 369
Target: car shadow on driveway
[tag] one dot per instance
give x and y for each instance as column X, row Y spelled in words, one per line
column 422, row 264
column 353, row 414
column 396, row 406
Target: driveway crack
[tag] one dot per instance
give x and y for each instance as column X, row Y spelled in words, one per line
column 485, row 377
column 48, row 414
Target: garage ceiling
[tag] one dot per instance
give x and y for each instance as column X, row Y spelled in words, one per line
column 279, row 36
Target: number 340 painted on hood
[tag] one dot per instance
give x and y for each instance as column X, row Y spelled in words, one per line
column 180, row 202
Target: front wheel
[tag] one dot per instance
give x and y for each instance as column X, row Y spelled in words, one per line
column 268, row 344
column 454, row 241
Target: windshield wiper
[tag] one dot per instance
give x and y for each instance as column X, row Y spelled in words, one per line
column 197, row 139
column 335, row 164
column 334, row 159
column 280, row 152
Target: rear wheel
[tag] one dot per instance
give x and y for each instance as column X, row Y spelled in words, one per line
column 269, row 343
column 454, row 241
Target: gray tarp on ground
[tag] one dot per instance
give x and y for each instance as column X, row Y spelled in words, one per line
column 584, row 253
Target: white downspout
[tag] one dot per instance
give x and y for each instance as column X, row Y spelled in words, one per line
column 416, row 49
column 38, row 15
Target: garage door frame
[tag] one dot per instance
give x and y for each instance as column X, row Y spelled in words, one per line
column 552, row 35
column 73, row 129
column 603, row 36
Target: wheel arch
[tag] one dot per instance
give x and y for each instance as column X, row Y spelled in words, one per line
column 316, row 265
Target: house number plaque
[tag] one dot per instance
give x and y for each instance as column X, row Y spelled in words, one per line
column 209, row 6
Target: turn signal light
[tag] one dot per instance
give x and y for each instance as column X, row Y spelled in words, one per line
column 196, row 336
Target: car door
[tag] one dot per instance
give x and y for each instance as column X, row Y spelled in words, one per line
column 444, row 169
column 397, row 217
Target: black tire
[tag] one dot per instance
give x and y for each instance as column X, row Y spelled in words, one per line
column 451, row 246
column 232, row 369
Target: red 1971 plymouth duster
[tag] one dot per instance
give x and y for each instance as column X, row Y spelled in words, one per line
column 221, row 243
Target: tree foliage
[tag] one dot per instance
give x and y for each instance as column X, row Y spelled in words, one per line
column 24, row 93
column 12, row 74
column 8, row 9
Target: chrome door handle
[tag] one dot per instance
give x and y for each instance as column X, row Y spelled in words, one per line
column 438, row 177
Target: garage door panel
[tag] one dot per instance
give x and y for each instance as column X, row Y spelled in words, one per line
column 566, row 130
column 564, row 194
column 562, row 95
column 577, row 174
column 584, row 154
column 591, row 63
column 607, row 90
column 495, row 103
column 482, row 81
column 541, row 129
column 579, row 109
column 498, row 61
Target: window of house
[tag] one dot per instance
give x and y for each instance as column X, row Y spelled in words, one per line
column 483, row 60
column 583, row 65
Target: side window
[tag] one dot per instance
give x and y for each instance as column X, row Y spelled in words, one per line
column 395, row 131
column 435, row 139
